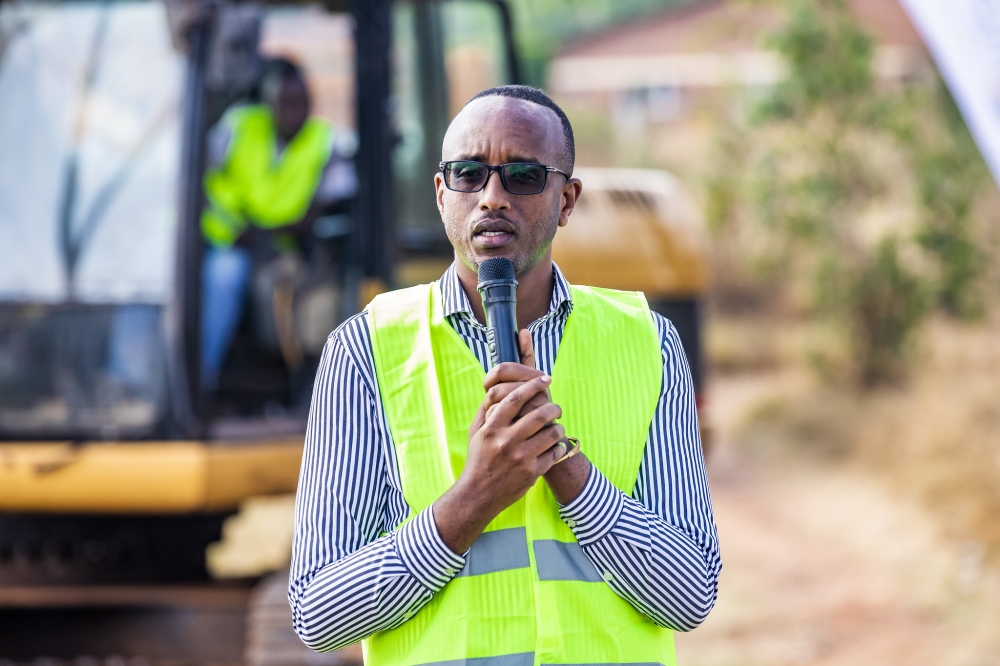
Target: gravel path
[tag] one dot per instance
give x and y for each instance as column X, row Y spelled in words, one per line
column 824, row 566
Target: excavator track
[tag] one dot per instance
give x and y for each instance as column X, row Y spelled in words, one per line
column 234, row 624
column 271, row 640
column 151, row 624
column 68, row 549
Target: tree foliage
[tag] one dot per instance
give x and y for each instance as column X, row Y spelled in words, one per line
column 950, row 175
column 886, row 304
column 829, row 59
column 820, row 156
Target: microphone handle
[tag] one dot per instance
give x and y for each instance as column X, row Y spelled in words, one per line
column 500, row 304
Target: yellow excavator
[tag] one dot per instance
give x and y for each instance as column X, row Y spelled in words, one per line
column 117, row 469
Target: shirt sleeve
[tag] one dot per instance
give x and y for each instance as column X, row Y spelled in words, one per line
column 339, row 180
column 659, row 548
column 217, row 144
column 355, row 570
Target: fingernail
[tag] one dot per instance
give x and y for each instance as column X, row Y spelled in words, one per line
column 546, row 379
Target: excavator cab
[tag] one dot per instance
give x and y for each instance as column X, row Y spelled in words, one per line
column 117, row 469
column 105, row 108
column 443, row 53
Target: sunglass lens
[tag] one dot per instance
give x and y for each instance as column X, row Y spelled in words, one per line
column 466, row 176
column 524, row 178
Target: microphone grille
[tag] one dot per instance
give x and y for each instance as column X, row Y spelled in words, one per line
column 496, row 268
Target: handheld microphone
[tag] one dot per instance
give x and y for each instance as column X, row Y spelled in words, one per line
column 498, row 288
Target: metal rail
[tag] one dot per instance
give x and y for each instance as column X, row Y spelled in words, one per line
column 185, row 333
column 375, row 246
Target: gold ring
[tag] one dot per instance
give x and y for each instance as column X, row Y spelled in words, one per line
column 572, row 448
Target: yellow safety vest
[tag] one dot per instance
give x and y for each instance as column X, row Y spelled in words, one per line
column 252, row 186
column 528, row 595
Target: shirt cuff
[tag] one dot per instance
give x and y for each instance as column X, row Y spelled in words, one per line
column 424, row 554
column 596, row 509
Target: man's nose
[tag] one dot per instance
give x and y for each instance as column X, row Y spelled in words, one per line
column 494, row 196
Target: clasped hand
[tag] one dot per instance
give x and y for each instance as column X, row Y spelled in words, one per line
column 513, row 440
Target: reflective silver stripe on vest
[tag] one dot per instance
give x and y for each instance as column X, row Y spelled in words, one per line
column 499, row 550
column 557, row 560
column 520, row 659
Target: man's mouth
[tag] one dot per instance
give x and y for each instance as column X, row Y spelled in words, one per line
column 493, row 235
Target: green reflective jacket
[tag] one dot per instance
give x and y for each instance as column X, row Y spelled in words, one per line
column 252, row 186
column 528, row 594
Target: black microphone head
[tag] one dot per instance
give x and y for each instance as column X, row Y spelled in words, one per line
column 496, row 268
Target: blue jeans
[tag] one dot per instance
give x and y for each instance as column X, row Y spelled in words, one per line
column 135, row 347
column 224, row 280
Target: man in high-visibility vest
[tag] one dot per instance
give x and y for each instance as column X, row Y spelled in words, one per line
column 272, row 170
column 441, row 518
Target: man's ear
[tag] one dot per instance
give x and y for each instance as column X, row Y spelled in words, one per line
column 439, row 193
column 570, row 195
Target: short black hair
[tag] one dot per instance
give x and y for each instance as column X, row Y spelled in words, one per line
column 536, row 96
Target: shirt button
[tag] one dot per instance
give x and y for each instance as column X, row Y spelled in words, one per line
column 408, row 615
column 607, row 577
column 571, row 522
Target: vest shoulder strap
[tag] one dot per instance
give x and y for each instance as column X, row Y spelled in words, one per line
column 240, row 114
column 251, row 122
column 607, row 378
column 430, row 385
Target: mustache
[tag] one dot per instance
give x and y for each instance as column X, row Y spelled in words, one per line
column 493, row 223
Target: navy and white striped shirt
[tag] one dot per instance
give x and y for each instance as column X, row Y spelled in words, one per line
column 657, row 549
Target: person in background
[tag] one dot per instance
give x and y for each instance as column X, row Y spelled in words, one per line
column 272, row 170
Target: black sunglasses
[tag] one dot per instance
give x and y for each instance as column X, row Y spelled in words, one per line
column 516, row 177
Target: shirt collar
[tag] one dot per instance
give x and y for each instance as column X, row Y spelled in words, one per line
column 455, row 301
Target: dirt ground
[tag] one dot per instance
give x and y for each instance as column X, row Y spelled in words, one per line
column 827, row 563
column 824, row 565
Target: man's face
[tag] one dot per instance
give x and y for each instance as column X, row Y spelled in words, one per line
column 493, row 222
column 290, row 106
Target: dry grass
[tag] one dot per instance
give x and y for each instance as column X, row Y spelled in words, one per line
column 938, row 438
column 856, row 528
column 934, row 438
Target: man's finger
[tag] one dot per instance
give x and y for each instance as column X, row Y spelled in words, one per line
column 509, row 372
column 543, row 443
column 534, row 421
column 507, row 409
column 527, row 348
column 535, row 403
column 479, row 420
column 500, row 391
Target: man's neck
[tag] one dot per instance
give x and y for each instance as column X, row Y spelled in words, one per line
column 534, row 291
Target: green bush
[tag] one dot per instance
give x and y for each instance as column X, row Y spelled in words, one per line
column 815, row 177
column 887, row 304
column 819, row 159
column 950, row 177
column 829, row 58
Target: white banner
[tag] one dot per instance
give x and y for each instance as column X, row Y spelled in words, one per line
column 964, row 38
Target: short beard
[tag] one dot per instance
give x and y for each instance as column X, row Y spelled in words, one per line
column 522, row 262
